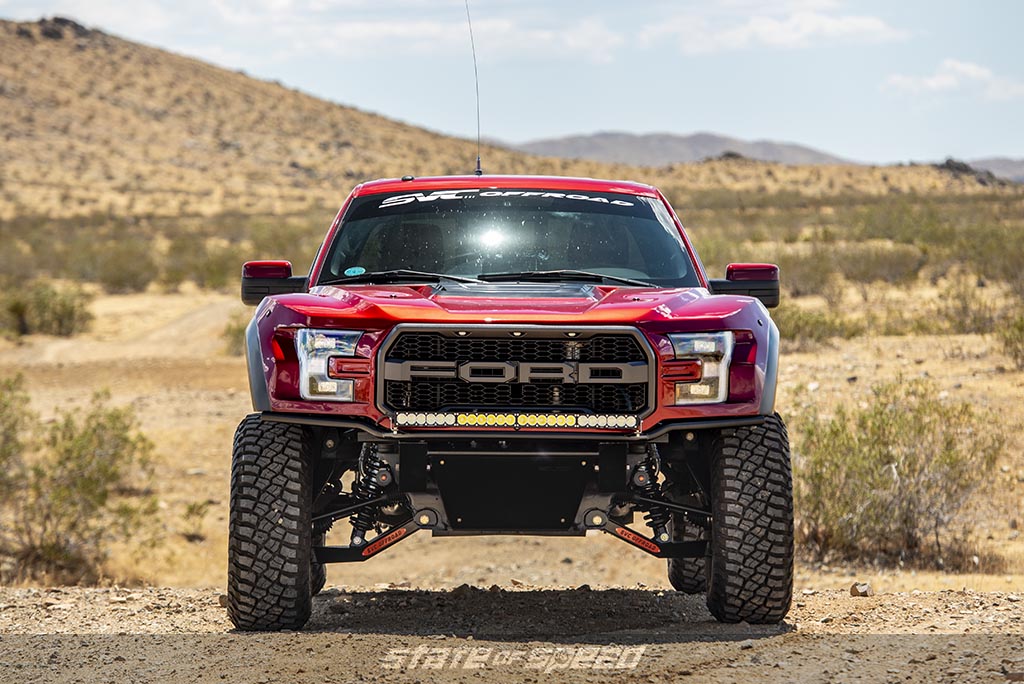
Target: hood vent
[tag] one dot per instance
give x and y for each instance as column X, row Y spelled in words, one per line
column 517, row 290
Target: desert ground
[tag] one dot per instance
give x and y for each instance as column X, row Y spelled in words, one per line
column 164, row 355
column 376, row 634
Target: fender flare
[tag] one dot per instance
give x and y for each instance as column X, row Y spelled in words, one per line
column 254, row 362
column 771, row 371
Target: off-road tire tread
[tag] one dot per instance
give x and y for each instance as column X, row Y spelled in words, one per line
column 317, row 571
column 751, row 563
column 270, row 534
column 688, row 575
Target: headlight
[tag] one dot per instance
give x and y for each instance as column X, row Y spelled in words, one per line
column 315, row 348
column 714, row 352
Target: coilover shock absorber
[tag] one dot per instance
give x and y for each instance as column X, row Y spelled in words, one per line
column 645, row 483
column 374, row 477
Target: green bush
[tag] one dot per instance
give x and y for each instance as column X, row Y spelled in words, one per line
column 1011, row 334
column 44, row 309
column 71, row 493
column 886, row 482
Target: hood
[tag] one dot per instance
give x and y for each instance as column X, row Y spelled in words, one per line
column 381, row 306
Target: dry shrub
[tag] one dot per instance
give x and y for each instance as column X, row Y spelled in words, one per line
column 995, row 250
column 880, row 262
column 801, row 329
column 886, row 318
column 70, row 493
column 211, row 266
column 964, row 310
column 806, row 273
column 909, row 220
column 195, row 514
column 126, row 265
column 44, row 309
column 1011, row 335
column 886, row 482
column 234, row 335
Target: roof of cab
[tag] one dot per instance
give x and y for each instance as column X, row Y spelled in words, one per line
column 483, row 182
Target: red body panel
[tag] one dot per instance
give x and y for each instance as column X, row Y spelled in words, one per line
column 376, row 309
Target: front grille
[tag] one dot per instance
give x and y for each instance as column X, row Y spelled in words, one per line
column 428, row 346
column 451, row 372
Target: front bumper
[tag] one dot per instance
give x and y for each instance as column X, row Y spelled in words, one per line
column 370, row 432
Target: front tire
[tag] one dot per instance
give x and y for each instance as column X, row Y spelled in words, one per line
column 270, row 534
column 751, row 562
column 688, row 575
column 317, row 570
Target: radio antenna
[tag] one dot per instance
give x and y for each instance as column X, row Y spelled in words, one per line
column 476, row 80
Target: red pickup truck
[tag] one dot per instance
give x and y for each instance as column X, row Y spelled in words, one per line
column 510, row 355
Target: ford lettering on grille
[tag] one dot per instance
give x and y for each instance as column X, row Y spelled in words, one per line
column 488, row 369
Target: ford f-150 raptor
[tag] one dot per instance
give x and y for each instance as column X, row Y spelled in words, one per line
column 510, row 355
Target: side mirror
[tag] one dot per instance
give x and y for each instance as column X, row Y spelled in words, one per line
column 750, row 280
column 265, row 278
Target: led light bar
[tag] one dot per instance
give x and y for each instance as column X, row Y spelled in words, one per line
column 517, row 420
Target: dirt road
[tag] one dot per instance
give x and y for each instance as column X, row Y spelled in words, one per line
column 510, row 633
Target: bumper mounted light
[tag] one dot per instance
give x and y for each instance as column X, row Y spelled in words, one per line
column 517, row 420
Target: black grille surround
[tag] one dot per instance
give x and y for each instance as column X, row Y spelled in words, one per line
column 501, row 368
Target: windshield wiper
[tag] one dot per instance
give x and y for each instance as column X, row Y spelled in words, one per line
column 561, row 275
column 396, row 275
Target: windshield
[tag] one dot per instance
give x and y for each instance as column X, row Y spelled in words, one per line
column 477, row 232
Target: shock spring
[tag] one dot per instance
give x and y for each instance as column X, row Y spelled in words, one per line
column 374, row 477
column 645, row 482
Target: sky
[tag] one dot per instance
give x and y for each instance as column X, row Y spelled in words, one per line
column 875, row 81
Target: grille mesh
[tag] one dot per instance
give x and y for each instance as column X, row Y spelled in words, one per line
column 437, row 347
column 432, row 394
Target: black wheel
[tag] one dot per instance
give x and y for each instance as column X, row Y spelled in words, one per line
column 317, row 571
column 688, row 575
column 751, row 571
column 270, row 534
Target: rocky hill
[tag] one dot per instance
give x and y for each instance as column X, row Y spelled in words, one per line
column 94, row 124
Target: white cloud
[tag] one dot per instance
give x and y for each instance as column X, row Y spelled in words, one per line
column 745, row 24
column 272, row 30
column 953, row 75
column 237, row 33
column 299, row 26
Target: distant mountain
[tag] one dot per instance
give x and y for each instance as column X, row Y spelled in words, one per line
column 660, row 149
column 1010, row 169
